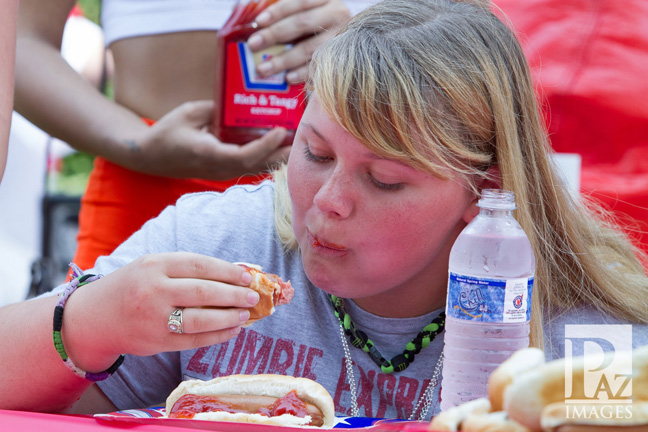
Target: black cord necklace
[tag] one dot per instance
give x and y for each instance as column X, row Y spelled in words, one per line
column 400, row 362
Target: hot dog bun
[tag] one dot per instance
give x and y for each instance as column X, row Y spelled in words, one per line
column 273, row 291
column 521, row 361
column 529, row 394
column 534, row 399
column 258, row 385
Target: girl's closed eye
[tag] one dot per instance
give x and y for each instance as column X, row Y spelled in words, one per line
column 382, row 185
column 385, row 186
column 314, row 158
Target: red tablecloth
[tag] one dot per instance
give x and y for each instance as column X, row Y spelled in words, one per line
column 38, row 422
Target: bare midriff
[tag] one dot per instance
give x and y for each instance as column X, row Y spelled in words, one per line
column 154, row 74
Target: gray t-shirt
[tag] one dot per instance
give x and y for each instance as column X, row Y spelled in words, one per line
column 300, row 339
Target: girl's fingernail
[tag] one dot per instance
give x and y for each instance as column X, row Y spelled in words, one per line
column 235, row 330
column 246, row 278
column 244, row 315
column 253, row 298
column 292, row 77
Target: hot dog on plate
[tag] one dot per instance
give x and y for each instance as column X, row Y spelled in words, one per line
column 267, row 399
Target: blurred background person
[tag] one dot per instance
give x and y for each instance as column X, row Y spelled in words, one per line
column 7, row 54
column 164, row 72
column 39, row 206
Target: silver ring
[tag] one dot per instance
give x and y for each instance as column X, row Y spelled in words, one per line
column 175, row 321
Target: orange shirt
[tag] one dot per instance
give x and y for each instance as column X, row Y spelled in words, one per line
column 118, row 201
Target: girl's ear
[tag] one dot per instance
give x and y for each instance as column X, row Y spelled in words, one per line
column 492, row 181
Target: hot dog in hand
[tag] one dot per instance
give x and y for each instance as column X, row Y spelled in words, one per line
column 273, row 291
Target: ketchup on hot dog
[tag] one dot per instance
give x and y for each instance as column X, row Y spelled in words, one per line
column 189, row 405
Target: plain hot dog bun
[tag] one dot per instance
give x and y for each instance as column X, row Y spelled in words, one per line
column 521, row 361
column 265, row 385
column 534, row 399
column 273, row 291
column 528, row 395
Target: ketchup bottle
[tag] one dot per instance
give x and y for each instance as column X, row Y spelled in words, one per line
column 247, row 105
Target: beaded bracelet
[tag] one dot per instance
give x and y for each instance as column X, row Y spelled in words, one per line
column 79, row 279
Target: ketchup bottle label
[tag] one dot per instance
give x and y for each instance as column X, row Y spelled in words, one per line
column 489, row 300
column 250, row 100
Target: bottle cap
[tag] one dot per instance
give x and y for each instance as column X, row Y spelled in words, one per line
column 499, row 199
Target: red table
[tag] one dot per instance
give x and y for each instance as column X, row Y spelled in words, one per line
column 37, row 422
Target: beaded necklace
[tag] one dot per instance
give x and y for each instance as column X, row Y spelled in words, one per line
column 425, row 399
column 398, row 363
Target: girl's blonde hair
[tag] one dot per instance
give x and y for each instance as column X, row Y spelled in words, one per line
column 444, row 86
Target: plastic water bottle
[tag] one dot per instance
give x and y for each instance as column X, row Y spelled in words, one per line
column 489, row 298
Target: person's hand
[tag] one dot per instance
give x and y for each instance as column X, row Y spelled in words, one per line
column 309, row 22
column 127, row 311
column 180, row 145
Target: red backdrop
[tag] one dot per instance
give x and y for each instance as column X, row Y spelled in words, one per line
column 589, row 60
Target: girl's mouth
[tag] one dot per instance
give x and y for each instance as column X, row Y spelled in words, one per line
column 317, row 242
column 324, row 246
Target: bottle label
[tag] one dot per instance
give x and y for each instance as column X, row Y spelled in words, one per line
column 489, row 300
column 254, row 102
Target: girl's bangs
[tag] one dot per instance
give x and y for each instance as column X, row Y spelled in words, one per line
column 377, row 93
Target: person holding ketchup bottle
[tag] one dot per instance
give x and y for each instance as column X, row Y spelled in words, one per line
column 153, row 142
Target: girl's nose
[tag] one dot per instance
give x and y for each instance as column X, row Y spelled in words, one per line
column 335, row 196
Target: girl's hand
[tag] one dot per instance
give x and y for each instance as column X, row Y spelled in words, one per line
column 309, row 22
column 127, row 311
column 180, row 145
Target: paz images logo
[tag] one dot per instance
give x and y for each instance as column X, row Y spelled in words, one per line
column 598, row 371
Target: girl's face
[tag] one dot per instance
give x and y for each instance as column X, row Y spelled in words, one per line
column 371, row 229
